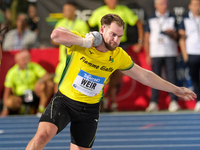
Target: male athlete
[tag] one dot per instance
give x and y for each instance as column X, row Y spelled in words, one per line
column 81, row 85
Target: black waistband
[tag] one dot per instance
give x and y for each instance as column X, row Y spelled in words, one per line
column 78, row 102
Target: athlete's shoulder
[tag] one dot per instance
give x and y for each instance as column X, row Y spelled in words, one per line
column 119, row 49
column 119, row 52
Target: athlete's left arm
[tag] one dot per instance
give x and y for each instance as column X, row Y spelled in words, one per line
column 149, row 78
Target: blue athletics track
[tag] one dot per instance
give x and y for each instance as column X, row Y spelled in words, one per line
column 116, row 131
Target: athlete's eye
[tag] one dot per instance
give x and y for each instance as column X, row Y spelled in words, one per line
column 113, row 34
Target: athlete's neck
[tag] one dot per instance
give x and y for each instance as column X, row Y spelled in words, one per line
column 102, row 47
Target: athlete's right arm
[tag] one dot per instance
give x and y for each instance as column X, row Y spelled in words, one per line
column 65, row 37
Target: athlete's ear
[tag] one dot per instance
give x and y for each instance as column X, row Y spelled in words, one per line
column 102, row 29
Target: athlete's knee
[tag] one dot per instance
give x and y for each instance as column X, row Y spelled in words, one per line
column 41, row 138
column 45, row 133
column 38, row 142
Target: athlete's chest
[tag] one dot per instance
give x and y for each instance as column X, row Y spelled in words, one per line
column 92, row 62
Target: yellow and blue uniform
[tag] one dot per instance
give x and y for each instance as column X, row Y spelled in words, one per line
column 81, row 89
column 87, row 71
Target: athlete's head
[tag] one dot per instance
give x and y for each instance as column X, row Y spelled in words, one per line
column 112, row 27
column 22, row 58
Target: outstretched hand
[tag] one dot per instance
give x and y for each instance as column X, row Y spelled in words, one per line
column 185, row 94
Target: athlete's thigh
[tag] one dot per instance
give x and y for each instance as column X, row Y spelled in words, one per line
column 56, row 112
column 83, row 132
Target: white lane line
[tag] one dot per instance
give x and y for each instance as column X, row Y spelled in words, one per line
column 146, row 146
column 1, row 131
column 19, row 121
column 111, row 140
column 142, row 113
column 156, row 128
column 146, row 139
column 112, row 117
column 114, row 146
column 150, row 118
column 19, row 126
column 117, row 123
column 64, row 134
column 20, row 130
column 171, row 128
column 13, row 148
column 26, row 141
column 147, row 133
column 46, row 148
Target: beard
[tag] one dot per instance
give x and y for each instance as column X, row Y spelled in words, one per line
column 111, row 47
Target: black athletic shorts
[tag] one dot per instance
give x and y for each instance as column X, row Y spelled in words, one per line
column 83, row 117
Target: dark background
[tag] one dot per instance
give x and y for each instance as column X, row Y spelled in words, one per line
column 143, row 8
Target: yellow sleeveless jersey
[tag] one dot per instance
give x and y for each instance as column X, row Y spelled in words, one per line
column 87, row 71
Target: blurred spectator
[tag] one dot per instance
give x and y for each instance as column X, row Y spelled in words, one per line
column 5, row 8
column 33, row 18
column 124, row 12
column 2, row 31
column 26, row 84
column 0, row 56
column 161, row 49
column 189, row 31
column 16, row 7
column 2, row 25
column 5, row 20
column 129, row 18
column 21, row 37
column 2, row 18
column 71, row 22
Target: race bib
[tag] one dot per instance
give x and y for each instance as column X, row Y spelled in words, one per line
column 88, row 84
